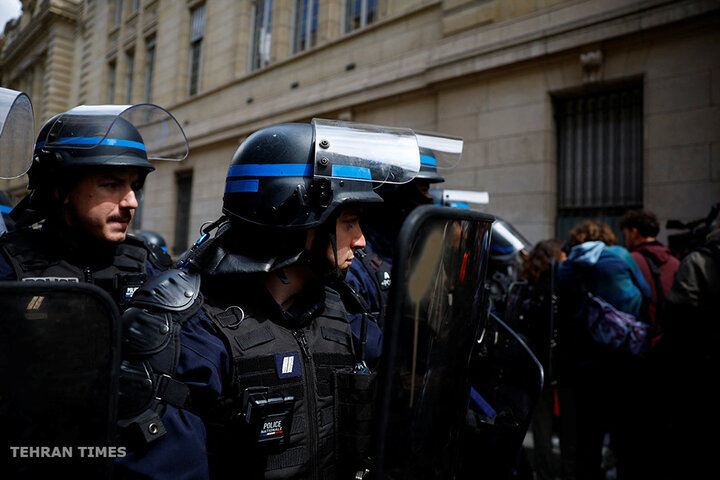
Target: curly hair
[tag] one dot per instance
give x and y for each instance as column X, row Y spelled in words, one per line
column 591, row 230
column 539, row 259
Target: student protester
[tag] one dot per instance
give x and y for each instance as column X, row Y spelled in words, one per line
column 597, row 382
column 656, row 261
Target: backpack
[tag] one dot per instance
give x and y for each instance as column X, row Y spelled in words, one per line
column 655, row 271
column 612, row 327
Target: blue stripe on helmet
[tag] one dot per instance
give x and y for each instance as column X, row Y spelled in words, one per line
column 113, row 142
column 347, row 171
column 241, row 186
column 500, row 249
column 428, row 160
column 271, row 170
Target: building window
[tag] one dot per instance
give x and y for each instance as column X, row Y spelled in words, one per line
column 136, row 5
column 112, row 79
column 197, row 31
column 359, row 13
column 262, row 14
column 183, row 181
column 149, row 67
column 118, row 11
column 129, row 76
column 600, row 156
column 306, row 24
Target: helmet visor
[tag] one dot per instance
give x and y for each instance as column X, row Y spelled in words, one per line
column 361, row 152
column 17, row 129
column 88, row 126
column 440, row 151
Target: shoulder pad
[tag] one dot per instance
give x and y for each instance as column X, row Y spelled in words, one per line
column 173, row 290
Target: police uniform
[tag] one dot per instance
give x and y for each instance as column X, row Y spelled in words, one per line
column 39, row 255
column 370, row 277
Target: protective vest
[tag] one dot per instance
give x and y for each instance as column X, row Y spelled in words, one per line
column 302, row 377
column 32, row 257
column 380, row 272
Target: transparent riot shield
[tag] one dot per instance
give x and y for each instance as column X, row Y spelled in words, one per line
column 59, row 364
column 507, row 380
column 17, row 133
column 437, row 313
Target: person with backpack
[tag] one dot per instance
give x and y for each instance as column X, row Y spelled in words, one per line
column 597, row 379
column 658, row 266
column 656, row 261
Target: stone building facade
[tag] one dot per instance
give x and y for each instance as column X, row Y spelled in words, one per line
column 568, row 108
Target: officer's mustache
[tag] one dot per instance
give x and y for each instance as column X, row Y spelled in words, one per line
column 124, row 216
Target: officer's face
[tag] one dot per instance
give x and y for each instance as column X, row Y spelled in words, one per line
column 102, row 204
column 349, row 238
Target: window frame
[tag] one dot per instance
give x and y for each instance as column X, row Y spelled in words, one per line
column 197, row 35
column 305, row 38
column 600, row 154
column 259, row 58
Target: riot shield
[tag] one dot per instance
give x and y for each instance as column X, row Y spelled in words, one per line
column 17, row 133
column 437, row 312
column 59, row 364
column 507, row 380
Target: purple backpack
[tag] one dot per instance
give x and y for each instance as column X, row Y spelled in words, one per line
column 619, row 330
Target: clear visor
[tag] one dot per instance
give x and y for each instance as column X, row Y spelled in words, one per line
column 441, row 151
column 17, row 132
column 511, row 235
column 162, row 136
column 361, row 152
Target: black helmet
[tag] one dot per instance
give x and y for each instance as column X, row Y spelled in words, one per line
column 428, row 167
column 271, row 181
column 506, row 243
column 152, row 238
column 96, row 136
column 286, row 179
column 85, row 143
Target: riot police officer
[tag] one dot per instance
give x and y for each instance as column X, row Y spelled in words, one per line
column 267, row 350
column 88, row 168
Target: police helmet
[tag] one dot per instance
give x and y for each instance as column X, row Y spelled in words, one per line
column 428, row 167
column 506, row 243
column 272, row 183
column 286, row 179
column 59, row 149
column 153, row 238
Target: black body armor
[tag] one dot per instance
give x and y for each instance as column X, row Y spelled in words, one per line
column 33, row 255
column 310, row 367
